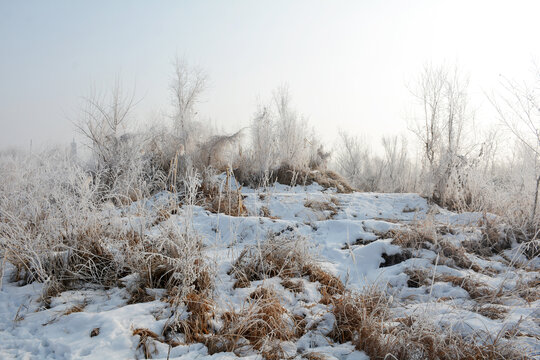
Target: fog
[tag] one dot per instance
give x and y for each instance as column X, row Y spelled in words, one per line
column 348, row 64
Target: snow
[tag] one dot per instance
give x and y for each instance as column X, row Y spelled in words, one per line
column 348, row 245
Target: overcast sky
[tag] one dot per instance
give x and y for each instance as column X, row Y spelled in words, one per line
column 347, row 63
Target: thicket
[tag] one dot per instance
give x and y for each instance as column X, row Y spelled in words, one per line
column 67, row 220
column 40, row 192
column 457, row 164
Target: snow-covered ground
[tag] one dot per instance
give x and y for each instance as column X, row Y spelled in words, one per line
column 348, row 233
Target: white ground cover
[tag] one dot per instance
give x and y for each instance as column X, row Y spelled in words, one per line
column 349, row 244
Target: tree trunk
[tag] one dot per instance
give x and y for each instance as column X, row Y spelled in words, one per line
column 533, row 215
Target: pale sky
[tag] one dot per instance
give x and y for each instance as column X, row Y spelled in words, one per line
column 346, row 63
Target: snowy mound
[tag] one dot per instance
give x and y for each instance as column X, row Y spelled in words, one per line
column 298, row 261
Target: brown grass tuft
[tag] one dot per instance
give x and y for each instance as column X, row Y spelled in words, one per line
column 230, row 202
column 262, row 293
column 282, row 255
column 528, row 290
column 477, row 290
column 75, row 309
column 493, row 240
column 417, row 277
column 455, row 256
column 360, row 314
column 313, row 355
column 296, row 286
column 327, row 179
column 419, row 236
column 492, row 312
column 262, row 321
column 331, row 284
column 197, row 325
column 322, row 206
column 362, row 319
column 265, row 212
column 146, row 341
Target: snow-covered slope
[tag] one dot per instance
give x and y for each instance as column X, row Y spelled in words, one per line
column 352, row 237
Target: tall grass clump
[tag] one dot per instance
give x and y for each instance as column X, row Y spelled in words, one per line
column 56, row 229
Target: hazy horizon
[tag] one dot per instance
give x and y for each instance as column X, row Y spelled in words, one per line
column 346, row 63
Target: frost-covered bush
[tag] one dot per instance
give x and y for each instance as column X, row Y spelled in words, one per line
column 120, row 162
column 56, row 229
column 48, row 215
column 280, row 139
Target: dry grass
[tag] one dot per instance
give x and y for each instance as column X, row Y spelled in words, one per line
column 75, row 309
column 358, row 314
column 260, row 323
column 197, row 324
column 477, row 290
column 172, row 260
column 364, row 320
column 417, row 277
column 330, row 284
column 493, row 239
column 313, row 355
column 146, row 341
column 287, row 175
column 492, row 312
column 454, row 256
column 282, row 255
column 528, row 290
column 229, row 202
column 265, row 212
column 296, row 286
column 322, row 206
column 419, row 236
column 426, row 235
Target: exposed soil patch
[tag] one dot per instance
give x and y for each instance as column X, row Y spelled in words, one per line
column 390, row 260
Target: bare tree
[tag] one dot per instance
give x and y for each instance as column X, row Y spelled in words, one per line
column 442, row 93
column 187, row 86
column 396, row 165
column 120, row 159
column 518, row 108
column 291, row 130
column 104, row 121
column 355, row 162
column 264, row 148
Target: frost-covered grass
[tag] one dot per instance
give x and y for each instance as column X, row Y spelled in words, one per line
column 280, row 272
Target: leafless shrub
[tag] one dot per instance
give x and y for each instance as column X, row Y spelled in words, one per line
column 280, row 140
column 442, row 93
column 121, row 165
column 355, row 162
